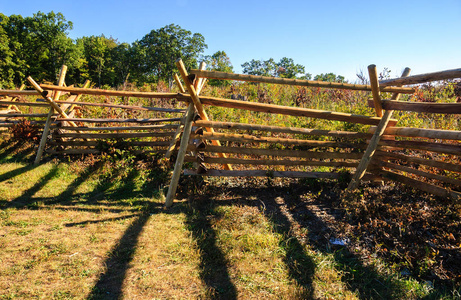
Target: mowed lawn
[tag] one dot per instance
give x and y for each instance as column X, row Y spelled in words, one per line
column 79, row 230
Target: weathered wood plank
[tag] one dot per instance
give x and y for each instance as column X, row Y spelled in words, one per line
column 423, row 186
column 116, row 135
column 96, row 143
column 246, row 138
column 281, row 153
column 122, row 128
column 373, row 73
column 197, row 102
column 90, row 120
column 442, row 178
column 422, row 78
column 427, row 107
column 84, row 91
column 17, row 103
column 129, row 107
column 427, row 146
column 19, row 93
column 180, row 157
column 421, row 133
column 280, row 129
column 297, row 82
column 427, row 162
column 263, row 173
column 275, row 162
column 293, row 111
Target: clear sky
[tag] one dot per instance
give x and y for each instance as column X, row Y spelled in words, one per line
column 336, row 36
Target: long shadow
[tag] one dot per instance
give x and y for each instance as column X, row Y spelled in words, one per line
column 301, row 267
column 109, row 285
column 67, row 195
column 102, row 220
column 213, row 263
column 7, row 149
column 357, row 275
column 13, row 173
column 26, row 197
column 284, row 207
column 21, row 155
column 100, row 191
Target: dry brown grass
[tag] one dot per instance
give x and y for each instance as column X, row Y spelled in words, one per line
column 85, row 230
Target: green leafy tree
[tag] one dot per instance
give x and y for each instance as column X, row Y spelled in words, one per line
column 16, row 51
column 6, row 56
column 40, row 45
column 219, row 61
column 288, row 69
column 330, row 77
column 260, row 67
column 285, row 68
column 122, row 58
column 160, row 49
column 98, row 59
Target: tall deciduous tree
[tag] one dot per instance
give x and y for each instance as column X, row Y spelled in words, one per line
column 285, row 68
column 330, row 77
column 161, row 48
column 6, row 56
column 260, row 67
column 98, row 61
column 219, row 61
column 40, row 45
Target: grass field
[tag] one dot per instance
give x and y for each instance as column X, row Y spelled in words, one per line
column 92, row 229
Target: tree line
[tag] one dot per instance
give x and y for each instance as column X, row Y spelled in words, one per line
column 39, row 45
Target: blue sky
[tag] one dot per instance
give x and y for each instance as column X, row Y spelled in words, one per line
column 342, row 37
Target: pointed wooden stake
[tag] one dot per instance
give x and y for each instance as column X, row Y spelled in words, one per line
column 375, row 89
column 198, row 104
column 181, row 154
column 368, row 155
column 178, row 82
column 46, row 129
column 49, row 100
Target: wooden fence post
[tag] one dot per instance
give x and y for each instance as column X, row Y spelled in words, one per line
column 74, row 98
column 181, row 154
column 46, row 129
column 178, row 132
column 199, row 81
column 375, row 89
column 198, row 104
column 178, row 82
column 49, row 100
column 368, row 155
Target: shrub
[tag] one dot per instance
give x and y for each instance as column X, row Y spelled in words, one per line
column 25, row 131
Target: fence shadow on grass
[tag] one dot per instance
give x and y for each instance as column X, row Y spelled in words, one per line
column 26, row 198
column 110, row 283
column 6, row 148
column 213, row 263
column 357, row 275
column 17, row 152
column 278, row 204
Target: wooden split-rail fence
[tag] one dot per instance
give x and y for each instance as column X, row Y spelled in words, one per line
column 426, row 159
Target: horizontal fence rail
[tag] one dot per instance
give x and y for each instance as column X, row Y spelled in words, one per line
column 422, row 78
column 297, row 82
column 438, row 108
